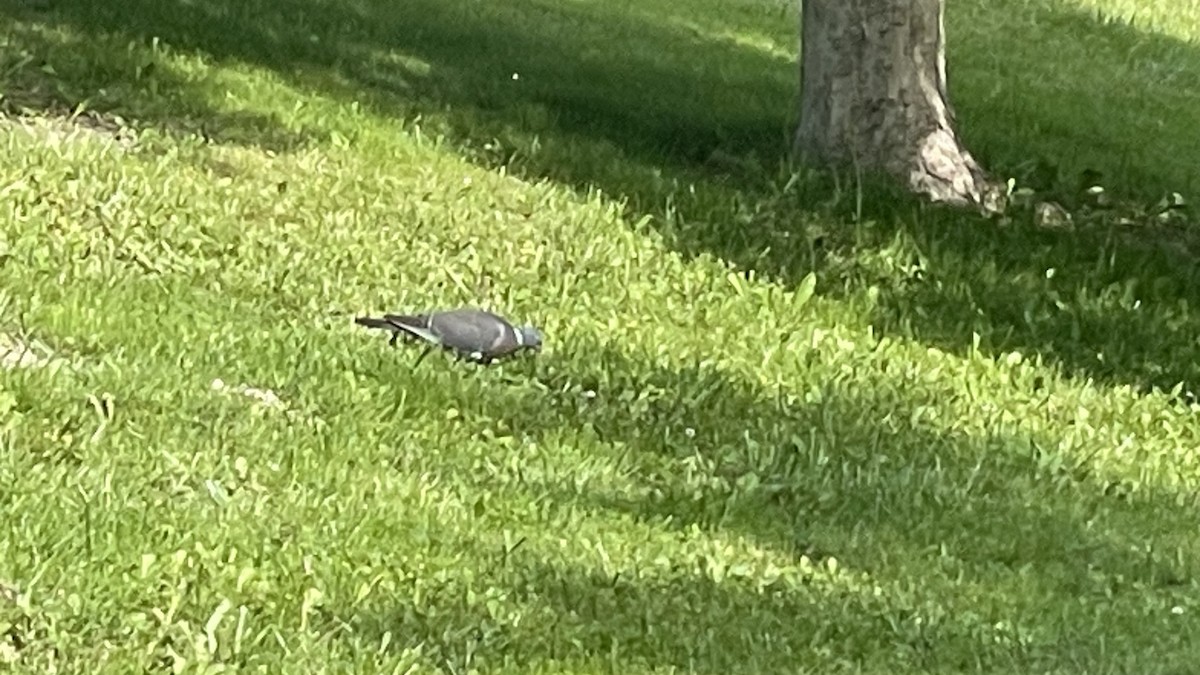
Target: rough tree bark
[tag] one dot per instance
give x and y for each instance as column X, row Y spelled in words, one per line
column 873, row 95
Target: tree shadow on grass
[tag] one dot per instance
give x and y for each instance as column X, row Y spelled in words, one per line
column 103, row 82
column 960, row 549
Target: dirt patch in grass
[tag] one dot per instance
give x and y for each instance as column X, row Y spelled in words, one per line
column 17, row 353
column 30, row 100
column 84, row 127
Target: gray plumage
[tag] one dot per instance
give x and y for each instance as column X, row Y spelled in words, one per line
column 474, row 334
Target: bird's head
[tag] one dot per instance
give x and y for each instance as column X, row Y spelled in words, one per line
column 530, row 337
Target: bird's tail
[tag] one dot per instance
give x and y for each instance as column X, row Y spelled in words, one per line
column 372, row 322
column 412, row 321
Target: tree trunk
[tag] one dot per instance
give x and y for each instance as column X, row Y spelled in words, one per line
column 873, row 96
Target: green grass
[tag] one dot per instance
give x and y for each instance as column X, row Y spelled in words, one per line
column 782, row 423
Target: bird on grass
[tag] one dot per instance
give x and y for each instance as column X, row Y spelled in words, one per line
column 474, row 334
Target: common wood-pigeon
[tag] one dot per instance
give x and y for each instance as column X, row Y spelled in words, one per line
column 474, row 334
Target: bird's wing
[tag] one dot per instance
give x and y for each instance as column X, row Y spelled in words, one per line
column 461, row 330
column 471, row 331
column 418, row 325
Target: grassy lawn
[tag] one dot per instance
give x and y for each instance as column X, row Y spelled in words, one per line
column 782, row 423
